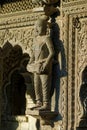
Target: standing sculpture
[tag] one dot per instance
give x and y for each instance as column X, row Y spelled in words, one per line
column 41, row 64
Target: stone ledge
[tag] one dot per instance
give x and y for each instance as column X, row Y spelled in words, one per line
column 16, row 118
column 45, row 117
column 42, row 114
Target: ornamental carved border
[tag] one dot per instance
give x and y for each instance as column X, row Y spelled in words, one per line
column 16, row 28
column 72, row 2
column 74, row 35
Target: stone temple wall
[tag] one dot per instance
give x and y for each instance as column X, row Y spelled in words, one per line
column 17, row 19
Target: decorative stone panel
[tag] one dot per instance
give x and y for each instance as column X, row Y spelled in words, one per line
column 74, row 37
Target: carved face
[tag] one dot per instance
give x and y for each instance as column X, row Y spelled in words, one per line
column 41, row 27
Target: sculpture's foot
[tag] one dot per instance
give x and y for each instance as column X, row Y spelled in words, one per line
column 46, row 107
column 38, row 105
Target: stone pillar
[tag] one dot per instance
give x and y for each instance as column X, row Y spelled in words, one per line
column 31, row 120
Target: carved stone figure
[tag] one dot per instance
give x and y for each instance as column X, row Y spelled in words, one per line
column 41, row 65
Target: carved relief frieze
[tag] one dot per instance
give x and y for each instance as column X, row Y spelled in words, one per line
column 18, row 19
column 21, row 36
column 74, row 6
column 73, row 2
column 18, row 28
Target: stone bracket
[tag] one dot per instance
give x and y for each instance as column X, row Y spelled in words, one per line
column 45, row 117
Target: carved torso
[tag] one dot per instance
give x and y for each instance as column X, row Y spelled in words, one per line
column 40, row 48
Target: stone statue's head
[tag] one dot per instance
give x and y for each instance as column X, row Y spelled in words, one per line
column 41, row 25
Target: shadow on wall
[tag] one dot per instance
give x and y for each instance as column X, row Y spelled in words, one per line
column 83, row 98
column 59, row 66
column 15, row 78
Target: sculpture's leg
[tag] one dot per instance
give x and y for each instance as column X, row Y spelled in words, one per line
column 46, row 91
column 38, row 89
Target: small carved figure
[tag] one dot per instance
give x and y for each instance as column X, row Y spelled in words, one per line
column 41, row 65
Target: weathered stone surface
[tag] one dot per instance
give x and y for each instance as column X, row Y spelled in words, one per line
column 17, row 21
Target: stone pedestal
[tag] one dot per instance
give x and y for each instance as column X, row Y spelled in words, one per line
column 33, row 125
column 46, row 118
column 29, row 104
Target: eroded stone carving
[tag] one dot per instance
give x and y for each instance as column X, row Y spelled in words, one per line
column 41, row 65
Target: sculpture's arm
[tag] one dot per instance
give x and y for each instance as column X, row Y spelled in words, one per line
column 32, row 56
column 51, row 50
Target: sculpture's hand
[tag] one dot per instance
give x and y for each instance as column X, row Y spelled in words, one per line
column 43, row 67
column 35, row 68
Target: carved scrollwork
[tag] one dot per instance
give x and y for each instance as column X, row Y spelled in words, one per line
column 76, row 23
column 22, row 36
column 82, row 37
